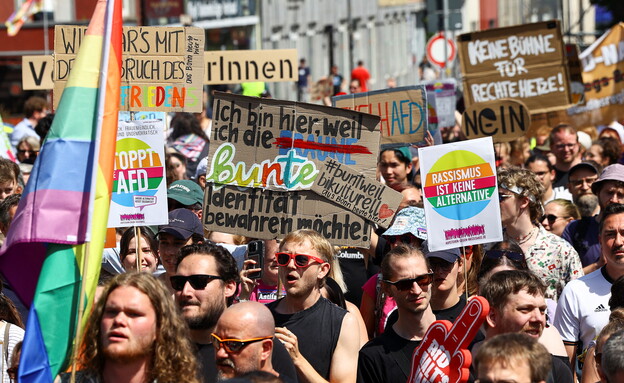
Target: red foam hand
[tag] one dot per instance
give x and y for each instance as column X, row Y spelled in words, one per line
column 443, row 356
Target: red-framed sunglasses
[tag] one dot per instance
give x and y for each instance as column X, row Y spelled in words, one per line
column 301, row 260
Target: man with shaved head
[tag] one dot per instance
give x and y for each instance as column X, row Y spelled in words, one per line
column 243, row 340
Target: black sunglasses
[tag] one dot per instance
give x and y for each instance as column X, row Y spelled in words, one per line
column 197, row 281
column 406, row 284
column 495, row 254
column 550, row 217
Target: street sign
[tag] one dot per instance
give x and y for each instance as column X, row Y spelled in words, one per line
column 436, row 53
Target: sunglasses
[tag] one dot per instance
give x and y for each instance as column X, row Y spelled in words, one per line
column 197, row 281
column 550, row 217
column 502, row 197
column 234, row 345
column 301, row 260
column 495, row 254
column 406, row 284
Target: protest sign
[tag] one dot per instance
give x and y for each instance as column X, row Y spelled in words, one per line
column 139, row 195
column 503, row 120
column 364, row 196
column 273, row 143
column 161, row 70
column 276, row 145
column 460, row 194
column 441, row 99
column 603, row 78
column 443, row 356
column 37, row 72
column 403, row 112
column 269, row 214
column 235, row 67
column 524, row 62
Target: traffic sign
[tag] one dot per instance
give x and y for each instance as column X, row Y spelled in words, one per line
column 435, row 50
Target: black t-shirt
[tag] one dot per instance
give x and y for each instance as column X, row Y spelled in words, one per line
column 355, row 272
column 451, row 313
column 561, row 371
column 561, row 179
column 386, row 358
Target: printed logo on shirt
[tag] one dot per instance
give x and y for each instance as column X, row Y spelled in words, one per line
column 600, row 309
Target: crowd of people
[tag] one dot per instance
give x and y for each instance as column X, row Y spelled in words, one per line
column 180, row 303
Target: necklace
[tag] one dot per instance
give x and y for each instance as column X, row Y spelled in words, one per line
column 522, row 239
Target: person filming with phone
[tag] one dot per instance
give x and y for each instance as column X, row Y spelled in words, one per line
column 259, row 280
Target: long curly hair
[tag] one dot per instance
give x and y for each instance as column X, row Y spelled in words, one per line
column 530, row 185
column 173, row 358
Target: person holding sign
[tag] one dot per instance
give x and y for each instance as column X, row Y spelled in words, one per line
column 550, row 257
column 145, row 248
column 407, row 278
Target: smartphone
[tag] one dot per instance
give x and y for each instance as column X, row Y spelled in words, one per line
column 255, row 251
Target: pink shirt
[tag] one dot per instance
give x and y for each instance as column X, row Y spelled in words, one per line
column 370, row 289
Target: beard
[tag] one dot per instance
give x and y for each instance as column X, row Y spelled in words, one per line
column 244, row 366
column 204, row 320
column 131, row 352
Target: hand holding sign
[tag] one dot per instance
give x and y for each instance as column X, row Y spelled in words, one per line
column 442, row 355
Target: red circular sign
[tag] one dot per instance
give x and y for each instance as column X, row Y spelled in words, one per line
column 435, row 50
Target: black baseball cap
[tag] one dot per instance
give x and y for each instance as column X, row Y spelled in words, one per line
column 183, row 223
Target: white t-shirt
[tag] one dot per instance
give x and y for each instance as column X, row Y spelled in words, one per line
column 583, row 308
column 16, row 334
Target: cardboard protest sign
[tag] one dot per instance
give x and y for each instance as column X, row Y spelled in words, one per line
column 364, row 196
column 139, row 195
column 37, row 72
column 503, row 120
column 269, row 214
column 162, row 67
column 460, row 194
column 603, row 78
column 235, row 67
column 441, row 100
column 443, row 356
column 403, row 112
column 524, row 62
column 277, row 145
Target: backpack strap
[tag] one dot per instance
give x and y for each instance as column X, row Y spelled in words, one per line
column 7, row 329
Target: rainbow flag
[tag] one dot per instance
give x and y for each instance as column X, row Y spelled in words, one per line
column 61, row 219
column 19, row 16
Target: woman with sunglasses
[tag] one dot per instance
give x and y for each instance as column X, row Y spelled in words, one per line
column 550, row 257
column 557, row 214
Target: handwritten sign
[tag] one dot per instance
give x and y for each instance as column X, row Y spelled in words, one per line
column 139, row 195
column 603, row 79
column 268, row 214
column 441, row 100
column 460, row 194
column 524, row 62
column 234, row 67
column 277, row 145
column 403, row 112
column 364, row 196
column 503, row 120
column 161, row 66
column 37, row 72
column 443, row 356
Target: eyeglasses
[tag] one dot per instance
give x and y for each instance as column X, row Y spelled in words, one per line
column 197, row 281
column 234, row 345
column 502, row 197
column 550, row 217
column 564, row 146
column 495, row 254
column 406, row 284
column 588, row 180
column 301, row 260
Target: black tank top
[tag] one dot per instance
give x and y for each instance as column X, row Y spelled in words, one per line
column 317, row 330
